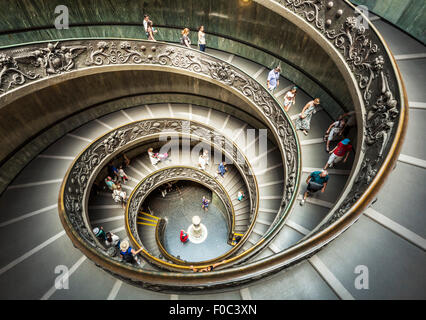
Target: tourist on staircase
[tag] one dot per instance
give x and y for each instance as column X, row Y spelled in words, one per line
column 113, row 171
column 185, row 41
column 119, row 196
column 183, row 236
column 290, row 98
column 273, row 80
column 145, row 24
column 152, row 157
column 334, row 131
column 221, row 169
column 316, row 181
column 110, row 184
column 151, row 31
column 100, row 233
column 240, row 195
column 123, row 176
column 205, row 203
column 201, row 39
column 111, row 240
column 303, row 122
column 203, row 160
column 341, row 151
column 128, row 254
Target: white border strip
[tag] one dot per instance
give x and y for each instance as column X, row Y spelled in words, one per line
column 33, row 184
column 114, row 291
column 27, row 215
column 413, row 161
column 330, row 279
column 410, row 56
column 31, row 252
column 401, row 231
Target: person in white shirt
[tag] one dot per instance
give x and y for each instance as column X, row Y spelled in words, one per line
column 145, row 24
column 290, row 98
column 119, row 196
column 122, row 175
column 273, row 80
column 111, row 240
column 334, row 132
column 201, row 39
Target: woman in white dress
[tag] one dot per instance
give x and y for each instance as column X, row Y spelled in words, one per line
column 203, row 160
column 290, row 98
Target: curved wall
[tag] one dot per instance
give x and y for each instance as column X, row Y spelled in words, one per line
column 409, row 15
column 233, row 26
column 29, row 115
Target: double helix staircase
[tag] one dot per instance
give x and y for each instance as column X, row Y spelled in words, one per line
column 389, row 238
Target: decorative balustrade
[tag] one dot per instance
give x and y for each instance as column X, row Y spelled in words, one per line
column 380, row 103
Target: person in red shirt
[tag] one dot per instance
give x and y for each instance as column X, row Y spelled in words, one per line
column 183, row 236
column 338, row 153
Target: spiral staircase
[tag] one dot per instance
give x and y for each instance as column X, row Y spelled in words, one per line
column 287, row 251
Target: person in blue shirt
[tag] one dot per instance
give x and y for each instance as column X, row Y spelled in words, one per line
column 316, row 181
column 205, row 203
column 221, row 169
column 127, row 253
column 110, row 184
column 273, row 80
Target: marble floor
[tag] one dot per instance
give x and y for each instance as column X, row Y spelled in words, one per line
column 179, row 210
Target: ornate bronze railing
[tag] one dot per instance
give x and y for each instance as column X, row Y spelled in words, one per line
column 377, row 92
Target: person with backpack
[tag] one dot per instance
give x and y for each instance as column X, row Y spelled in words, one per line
column 100, row 233
column 128, row 254
column 316, row 181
